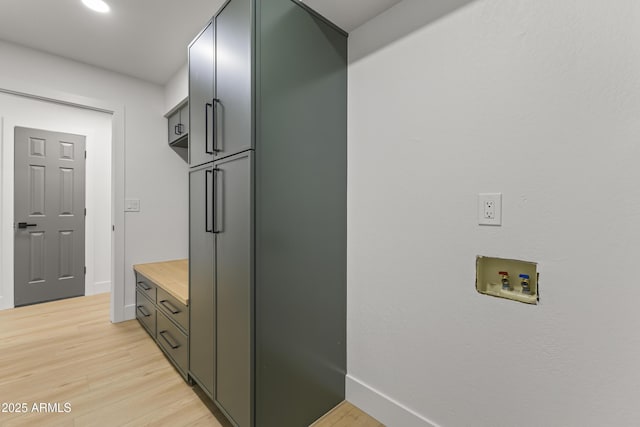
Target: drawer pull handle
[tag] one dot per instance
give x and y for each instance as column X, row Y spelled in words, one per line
column 144, row 312
column 169, row 306
column 144, row 286
column 164, row 335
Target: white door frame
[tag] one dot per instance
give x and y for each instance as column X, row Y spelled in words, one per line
column 117, row 311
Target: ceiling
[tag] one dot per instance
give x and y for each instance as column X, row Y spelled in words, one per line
column 142, row 38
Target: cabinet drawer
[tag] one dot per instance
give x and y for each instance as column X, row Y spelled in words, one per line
column 173, row 308
column 173, row 341
column 146, row 313
column 146, row 287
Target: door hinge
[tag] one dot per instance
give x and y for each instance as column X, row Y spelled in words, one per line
column 85, row 154
column 85, row 211
column 113, row 228
column 85, row 270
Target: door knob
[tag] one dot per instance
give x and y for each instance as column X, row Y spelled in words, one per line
column 25, row 225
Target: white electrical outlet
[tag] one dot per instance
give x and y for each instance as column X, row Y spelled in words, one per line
column 490, row 208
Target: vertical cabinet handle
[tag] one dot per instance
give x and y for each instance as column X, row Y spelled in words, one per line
column 214, row 122
column 207, row 201
column 206, row 128
column 217, row 204
column 214, row 146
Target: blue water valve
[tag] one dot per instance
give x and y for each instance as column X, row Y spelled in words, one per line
column 524, row 282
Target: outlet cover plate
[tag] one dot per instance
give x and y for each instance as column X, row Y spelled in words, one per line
column 490, row 209
column 132, row 205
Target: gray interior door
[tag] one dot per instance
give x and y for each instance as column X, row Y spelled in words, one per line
column 234, row 278
column 201, row 280
column 49, row 216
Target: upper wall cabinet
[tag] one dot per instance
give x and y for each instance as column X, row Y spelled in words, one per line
column 178, row 123
column 220, row 73
column 178, row 129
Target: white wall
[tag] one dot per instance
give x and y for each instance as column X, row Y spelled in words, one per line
column 177, row 88
column 96, row 126
column 153, row 172
column 539, row 100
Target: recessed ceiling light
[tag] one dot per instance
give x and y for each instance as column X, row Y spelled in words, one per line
column 97, row 5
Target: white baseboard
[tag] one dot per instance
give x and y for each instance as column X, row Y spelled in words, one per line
column 129, row 312
column 382, row 407
column 102, row 287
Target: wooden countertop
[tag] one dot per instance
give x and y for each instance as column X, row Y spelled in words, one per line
column 172, row 276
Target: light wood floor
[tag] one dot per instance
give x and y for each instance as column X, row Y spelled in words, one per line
column 110, row 374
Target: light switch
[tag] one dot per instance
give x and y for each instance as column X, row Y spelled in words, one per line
column 132, row 205
column 490, row 208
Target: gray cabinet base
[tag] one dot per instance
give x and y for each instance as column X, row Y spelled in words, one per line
column 168, row 333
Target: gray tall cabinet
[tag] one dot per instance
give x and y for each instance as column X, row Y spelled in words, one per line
column 268, row 108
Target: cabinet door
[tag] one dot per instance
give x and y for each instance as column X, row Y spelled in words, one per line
column 174, row 126
column 234, row 295
column 201, row 75
column 201, row 278
column 184, row 120
column 233, row 110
